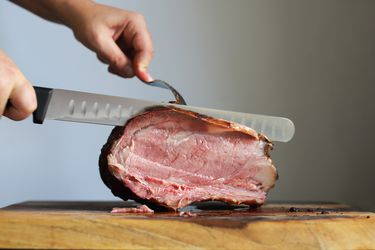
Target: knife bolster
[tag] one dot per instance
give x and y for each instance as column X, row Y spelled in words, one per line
column 43, row 96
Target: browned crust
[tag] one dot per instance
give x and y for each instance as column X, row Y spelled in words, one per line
column 117, row 187
column 211, row 120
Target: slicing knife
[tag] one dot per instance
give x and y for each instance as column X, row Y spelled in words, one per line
column 75, row 106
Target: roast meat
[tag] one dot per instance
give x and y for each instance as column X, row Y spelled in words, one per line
column 169, row 157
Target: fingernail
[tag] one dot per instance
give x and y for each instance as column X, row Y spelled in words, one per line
column 145, row 76
column 149, row 78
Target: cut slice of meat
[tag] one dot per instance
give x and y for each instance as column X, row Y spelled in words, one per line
column 171, row 157
column 142, row 209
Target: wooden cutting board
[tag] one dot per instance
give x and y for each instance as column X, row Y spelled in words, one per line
column 277, row 225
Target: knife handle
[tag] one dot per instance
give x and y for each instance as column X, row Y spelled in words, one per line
column 43, row 96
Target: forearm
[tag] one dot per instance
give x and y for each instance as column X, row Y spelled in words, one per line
column 58, row 11
column 120, row 38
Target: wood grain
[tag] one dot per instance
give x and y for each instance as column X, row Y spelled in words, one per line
column 89, row 225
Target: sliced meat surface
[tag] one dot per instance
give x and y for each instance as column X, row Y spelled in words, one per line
column 170, row 157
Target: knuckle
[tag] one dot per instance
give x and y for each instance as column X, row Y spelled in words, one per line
column 138, row 17
column 3, row 86
column 23, row 85
column 8, row 81
column 116, row 60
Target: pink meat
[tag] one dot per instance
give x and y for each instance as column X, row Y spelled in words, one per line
column 171, row 158
column 143, row 209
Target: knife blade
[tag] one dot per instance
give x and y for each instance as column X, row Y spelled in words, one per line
column 75, row 106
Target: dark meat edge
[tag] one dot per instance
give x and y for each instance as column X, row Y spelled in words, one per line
column 120, row 190
column 117, row 187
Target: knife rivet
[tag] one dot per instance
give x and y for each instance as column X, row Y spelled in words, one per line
column 71, row 107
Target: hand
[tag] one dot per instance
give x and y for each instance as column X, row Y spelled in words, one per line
column 15, row 88
column 120, row 38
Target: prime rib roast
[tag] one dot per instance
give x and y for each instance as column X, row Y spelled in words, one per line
column 169, row 157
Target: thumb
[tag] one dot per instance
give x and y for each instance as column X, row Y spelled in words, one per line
column 141, row 61
column 23, row 102
column 144, row 52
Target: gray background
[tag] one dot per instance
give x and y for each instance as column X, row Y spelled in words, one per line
column 311, row 61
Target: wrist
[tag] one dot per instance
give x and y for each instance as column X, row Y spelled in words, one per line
column 69, row 12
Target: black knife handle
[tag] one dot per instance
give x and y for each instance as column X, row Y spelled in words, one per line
column 43, row 96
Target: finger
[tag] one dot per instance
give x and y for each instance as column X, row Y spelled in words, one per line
column 145, row 76
column 23, row 102
column 127, row 72
column 16, row 115
column 142, row 60
column 111, row 54
column 5, row 91
column 143, row 54
column 101, row 59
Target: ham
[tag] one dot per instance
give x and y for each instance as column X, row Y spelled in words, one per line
column 169, row 157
